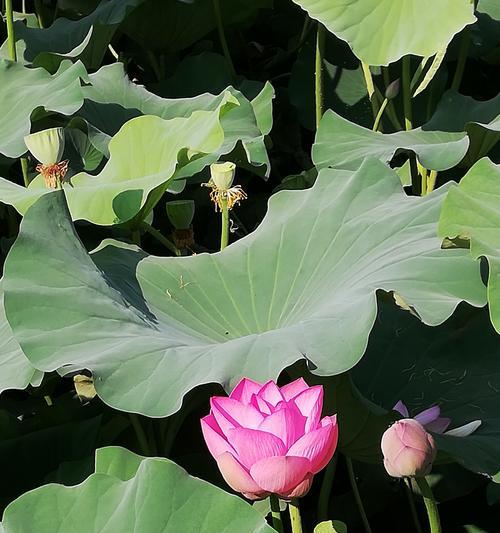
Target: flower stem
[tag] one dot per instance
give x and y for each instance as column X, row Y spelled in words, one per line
column 160, row 238
column 413, row 509
column 370, row 87
column 462, row 59
column 407, row 93
column 293, row 509
column 379, row 114
column 276, row 513
column 224, row 236
column 431, row 181
column 320, row 52
column 326, row 489
column 357, row 495
column 11, row 38
column 140, row 434
column 24, row 168
column 222, row 37
column 430, row 505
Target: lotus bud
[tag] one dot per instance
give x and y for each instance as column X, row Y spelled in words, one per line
column 408, row 449
column 84, row 386
column 392, row 89
column 270, row 440
column 46, row 146
column 222, row 175
column 180, row 213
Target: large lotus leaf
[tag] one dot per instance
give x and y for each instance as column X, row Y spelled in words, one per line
column 455, row 365
column 22, row 90
column 112, row 99
column 172, row 26
column 343, row 144
column 471, row 210
column 490, row 7
column 170, row 501
column 86, row 38
column 381, row 31
column 146, row 153
column 17, row 372
column 301, row 286
column 480, row 119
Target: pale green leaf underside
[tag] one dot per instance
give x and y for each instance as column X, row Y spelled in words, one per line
column 22, row 90
column 472, row 210
column 107, row 502
column 302, row 285
column 455, row 366
column 343, row 144
column 382, row 31
column 17, row 371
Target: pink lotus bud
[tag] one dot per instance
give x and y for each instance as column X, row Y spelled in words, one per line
column 408, row 449
column 270, row 440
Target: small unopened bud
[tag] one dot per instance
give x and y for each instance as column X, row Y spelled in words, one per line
column 392, row 89
column 84, row 386
column 408, row 449
column 180, row 213
column 46, row 146
column 222, row 175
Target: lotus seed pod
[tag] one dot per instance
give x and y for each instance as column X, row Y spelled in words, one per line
column 46, row 146
column 223, row 174
column 180, row 213
column 392, row 89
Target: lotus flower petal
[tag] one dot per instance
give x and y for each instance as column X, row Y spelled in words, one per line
column 429, row 415
column 236, row 476
column 244, row 391
column 231, row 414
column 401, row 408
column 270, row 392
column 310, row 404
column 215, row 439
column 440, row 425
column 465, row 430
column 294, row 388
column 252, row 445
column 280, row 475
column 287, row 424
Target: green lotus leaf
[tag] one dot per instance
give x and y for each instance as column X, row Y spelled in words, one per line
column 170, row 501
column 17, row 372
column 86, row 38
column 302, row 286
column 22, row 90
column 446, row 365
column 471, row 211
column 146, row 153
column 382, row 31
column 490, row 7
column 480, row 119
column 112, row 99
column 343, row 144
column 169, row 27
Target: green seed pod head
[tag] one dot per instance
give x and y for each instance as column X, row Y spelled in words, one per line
column 223, row 174
column 180, row 213
column 46, row 146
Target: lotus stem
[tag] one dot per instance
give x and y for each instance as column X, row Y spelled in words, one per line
column 431, row 181
column 413, row 509
column 462, row 59
column 430, row 505
column 140, row 434
column 320, row 52
column 370, row 87
column 406, row 81
column 326, row 489
column 276, row 513
column 222, row 38
column 379, row 114
column 11, row 38
column 224, row 236
column 24, row 168
column 357, row 495
column 160, row 238
column 296, row 521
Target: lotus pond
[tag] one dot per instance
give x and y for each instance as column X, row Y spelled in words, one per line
column 250, row 266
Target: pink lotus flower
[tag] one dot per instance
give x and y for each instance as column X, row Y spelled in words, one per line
column 270, row 440
column 408, row 449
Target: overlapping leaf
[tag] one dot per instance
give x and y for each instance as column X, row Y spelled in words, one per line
column 301, row 286
column 22, row 90
column 455, row 365
column 106, row 502
column 343, row 144
column 472, row 210
column 382, row 31
column 480, row 119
